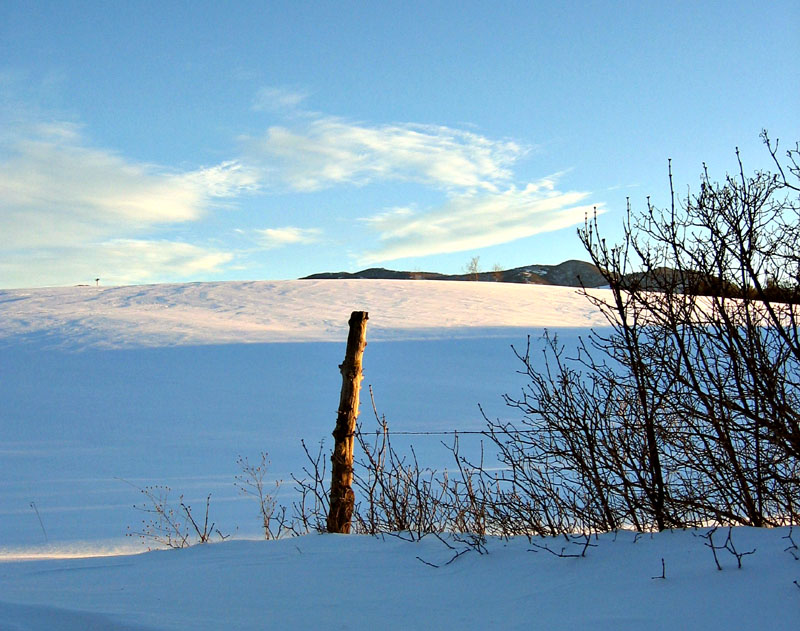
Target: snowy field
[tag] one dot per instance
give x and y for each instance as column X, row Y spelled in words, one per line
column 106, row 389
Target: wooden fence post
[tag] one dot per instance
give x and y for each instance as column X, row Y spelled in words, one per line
column 342, row 498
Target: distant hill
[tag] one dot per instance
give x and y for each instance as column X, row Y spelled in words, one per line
column 568, row 274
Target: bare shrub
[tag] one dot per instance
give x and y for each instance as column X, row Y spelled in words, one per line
column 684, row 412
column 310, row 511
column 250, row 482
column 396, row 494
column 728, row 546
column 171, row 524
column 473, row 268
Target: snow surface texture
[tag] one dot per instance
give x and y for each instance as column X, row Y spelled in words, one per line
column 107, row 388
column 341, row 582
column 281, row 311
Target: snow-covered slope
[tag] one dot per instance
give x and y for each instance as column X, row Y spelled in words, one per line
column 170, row 383
column 106, row 389
column 280, row 311
column 339, row 582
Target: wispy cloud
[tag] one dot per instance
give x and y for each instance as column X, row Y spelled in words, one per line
column 56, row 190
column 270, row 238
column 474, row 221
column 328, row 151
column 227, row 179
column 75, row 209
column 483, row 203
column 71, row 210
column 131, row 260
column 278, row 99
column 115, row 262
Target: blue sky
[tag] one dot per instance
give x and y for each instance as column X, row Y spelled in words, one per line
column 173, row 141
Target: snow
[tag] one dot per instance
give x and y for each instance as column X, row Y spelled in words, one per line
column 348, row 582
column 107, row 389
column 280, row 311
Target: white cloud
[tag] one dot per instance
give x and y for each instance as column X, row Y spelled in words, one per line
column 70, row 212
column 115, row 262
column 474, row 221
column 289, row 235
column 390, row 216
column 276, row 99
column 56, row 191
column 227, row 179
column 329, row 151
column 131, row 260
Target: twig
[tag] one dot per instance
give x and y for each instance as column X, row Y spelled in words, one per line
column 563, row 554
column 457, row 552
column 663, row 571
column 436, row 566
column 221, row 536
column 710, row 543
column 36, row 510
column 728, row 545
column 792, row 549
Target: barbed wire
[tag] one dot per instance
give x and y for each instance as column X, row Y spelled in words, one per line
column 673, row 431
column 451, row 432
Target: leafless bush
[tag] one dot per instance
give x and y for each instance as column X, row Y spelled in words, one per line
column 792, row 549
column 473, row 268
column 709, row 330
column 250, row 482
column 683, row 412
column 310, row 511
column 397, row 495
column 577, row 461
column 727, row 545
column 168, row 524
column 581, row 544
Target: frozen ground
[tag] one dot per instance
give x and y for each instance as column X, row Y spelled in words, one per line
column 106, row 387
column 340, row 582
column 280, row 311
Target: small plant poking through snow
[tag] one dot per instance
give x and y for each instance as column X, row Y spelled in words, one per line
column 168, row 525
column 728, row 545
column 792, row 549
column 251, row 482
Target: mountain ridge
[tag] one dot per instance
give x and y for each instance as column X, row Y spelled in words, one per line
column 571, row 273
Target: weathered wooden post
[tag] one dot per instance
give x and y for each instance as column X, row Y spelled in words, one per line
column 342, row 498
